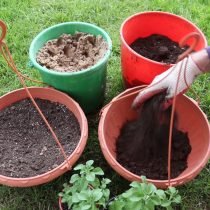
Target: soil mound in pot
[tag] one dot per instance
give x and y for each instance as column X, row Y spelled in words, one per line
column 27, row 148
column 158, row 48
column 142, row 146
column 70, row 53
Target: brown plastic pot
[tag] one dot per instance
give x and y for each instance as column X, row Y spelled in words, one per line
column 191, row 120
column 55, row 96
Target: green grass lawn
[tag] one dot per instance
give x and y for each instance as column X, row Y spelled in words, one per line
column 26, row 18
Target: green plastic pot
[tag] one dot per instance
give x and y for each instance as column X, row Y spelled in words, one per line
column 87, row 87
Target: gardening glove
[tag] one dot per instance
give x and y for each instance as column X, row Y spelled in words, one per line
column 193, row 65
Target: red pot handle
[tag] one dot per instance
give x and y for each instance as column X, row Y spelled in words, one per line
column 60, row 203
column 183, row 41
column 4, row 50
column 128, row 92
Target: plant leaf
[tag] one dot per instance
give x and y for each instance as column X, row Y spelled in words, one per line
column 106, row 193
column 172, row 190
column 116, row 205
column 150, row 188
column 75, row 198
column 97, row 194
column 82, row 195
column 90, row 177
column 144, row 187
column 138, row 206
column 128, row 193
column 156, row 200
column 135, row 184
column 161, row 194
column 144, row 179
column 98, row 171
column 102, row 202
column 74, row 178
column 134, row 198
column 106, row 181
column 177, row 199
column 132, row 205
column 165, row 203
column 89, row 162
column 169, row 208
column 85, row 207
column 79, row 167
column 149, row 205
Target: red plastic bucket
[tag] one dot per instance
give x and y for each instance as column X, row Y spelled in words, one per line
column 136, row 69
column 191, row 119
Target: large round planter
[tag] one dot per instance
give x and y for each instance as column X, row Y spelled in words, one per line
column 191, row 119
column 138, row 70
column 55, row 96
column 87, row 87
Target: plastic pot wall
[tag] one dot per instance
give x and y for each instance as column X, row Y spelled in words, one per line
column 137, row 69
column 87, row 86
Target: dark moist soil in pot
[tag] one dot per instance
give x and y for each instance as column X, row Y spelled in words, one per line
column 142, row 146
column 70, row 53
column 27, row 147
column 158, row 48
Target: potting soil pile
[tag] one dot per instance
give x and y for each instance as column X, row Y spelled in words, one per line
column 158, row 48
column 71, row 53
column 27, row 147
column 142, row 146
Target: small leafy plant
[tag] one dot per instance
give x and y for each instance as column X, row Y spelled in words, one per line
column 145, row 196
column 86, row 191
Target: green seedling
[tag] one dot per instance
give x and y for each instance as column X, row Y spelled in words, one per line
column 145, row 196
column 85, row 191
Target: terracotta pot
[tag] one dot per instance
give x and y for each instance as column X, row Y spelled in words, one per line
column 191, row 120
column 55, row 96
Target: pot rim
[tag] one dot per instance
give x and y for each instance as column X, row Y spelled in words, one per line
column 155, row 12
